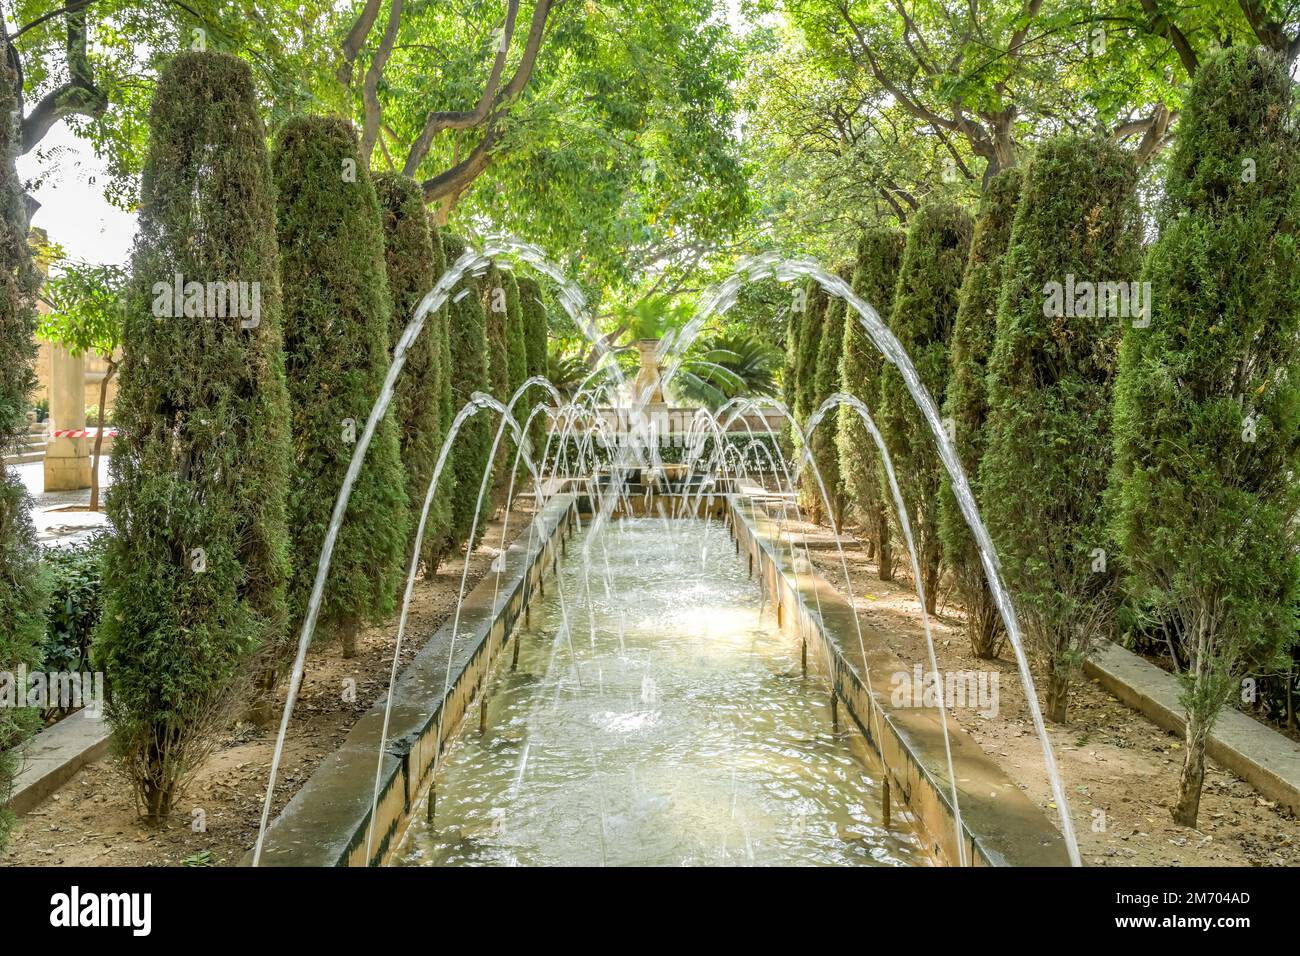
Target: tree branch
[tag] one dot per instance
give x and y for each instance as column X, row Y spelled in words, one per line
column 79, row 96
column 370, row 87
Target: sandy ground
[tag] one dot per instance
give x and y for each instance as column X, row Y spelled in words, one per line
column 92, row 820
column 1111, row 759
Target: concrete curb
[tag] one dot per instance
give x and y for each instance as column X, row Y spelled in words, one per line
column 53, row 757
column 1258, row 754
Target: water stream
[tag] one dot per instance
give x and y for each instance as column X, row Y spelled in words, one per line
column 682, row 733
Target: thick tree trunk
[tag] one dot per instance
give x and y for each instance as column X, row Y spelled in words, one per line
column 1193, row 775
column 348, row 632
column 884, row 547
column 1058, row 698
column 930, row 578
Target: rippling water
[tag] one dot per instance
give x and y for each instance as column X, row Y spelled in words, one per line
column 669, row 725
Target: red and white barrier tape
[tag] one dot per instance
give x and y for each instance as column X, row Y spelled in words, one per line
column 81, row 432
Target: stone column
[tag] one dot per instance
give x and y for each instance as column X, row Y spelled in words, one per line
column 67, row 460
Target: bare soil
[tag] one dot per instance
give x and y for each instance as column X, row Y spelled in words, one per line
column 92, row 820
column 1111, row 758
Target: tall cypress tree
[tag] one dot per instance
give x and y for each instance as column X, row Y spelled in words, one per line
column 826, row 382
column 535, row 335
column 446, row 542
column 22, row 586
column 966, row 403
column 812, row 318
column 1051, row 378
column 412, row 269
column 337, row 318
column 195, row 575
column 925, row 305
column 468, row 346
column 1207, row 402
column 880, row 253
column 516, row 341
column 496, row 305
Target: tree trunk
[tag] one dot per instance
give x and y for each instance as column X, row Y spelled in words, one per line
column 99, row 436
column 348, row 632
column 930, row 578
column 884, row 547
column 1193, row 775
column 1058, row 697
column 984, row 627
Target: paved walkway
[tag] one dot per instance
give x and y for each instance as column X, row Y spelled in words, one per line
column 55, row 527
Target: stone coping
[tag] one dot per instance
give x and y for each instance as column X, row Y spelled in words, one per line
column 1001, row 826
column 327, row 821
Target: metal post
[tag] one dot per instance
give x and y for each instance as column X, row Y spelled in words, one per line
column 884, row 802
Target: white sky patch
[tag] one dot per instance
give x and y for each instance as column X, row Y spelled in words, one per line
column 73, row 210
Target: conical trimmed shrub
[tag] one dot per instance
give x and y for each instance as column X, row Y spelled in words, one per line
column 826, row 382
column 448, row 541
column 516, row 341
column 195, row 574
column 23, row 593
column 337, row 319
column 535, row 344
column 1207, row 403
column 925, row 306
column 496, row 305
column 1051, row 382
column 811, row 320
column 467, row 338
column 879, row 256
column 412, row 267
column 966, row 403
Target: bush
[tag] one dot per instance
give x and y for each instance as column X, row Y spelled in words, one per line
column 815, row 302
column 445, row 495
column 535, row 345
column 76, row 602
column 826, row 382
column 1048, row 440
column 338, row 315
column 517, row 361
column 966, row 403
column 925, row 305
column 23, row 591
column 1207, row 401
column 467, row 338
column 880, row 253
column 412, row 268
column 195, row 574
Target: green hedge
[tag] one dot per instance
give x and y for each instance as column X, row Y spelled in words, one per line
column 879, row 255
column 1207, row 402
column 195, row 575
column 338, row 315
column 966, row 402
column 1051, row 381
column 925, row 306
column 826, row 382
column 412, row 268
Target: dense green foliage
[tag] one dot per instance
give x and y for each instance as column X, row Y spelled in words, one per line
column 417, row 400
column 925, row 306
column 76, row 602
column 517, row 360
column 875, row 274
column 445, row 494
column 1051, row 376
column 535, row 345
column 337, row 319
column 826, row 382
column 22, row 588
column 1207, row 401
column 467, row 338
column 810, row 305
column 195, row 575
column 965, row 407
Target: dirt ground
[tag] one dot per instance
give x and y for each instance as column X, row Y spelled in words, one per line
column 92, row 820
column 1111, row 758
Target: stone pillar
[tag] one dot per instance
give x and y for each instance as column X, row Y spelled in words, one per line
column 647, row 382
column 67, row 460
